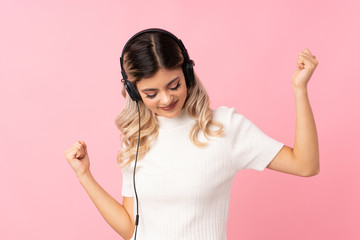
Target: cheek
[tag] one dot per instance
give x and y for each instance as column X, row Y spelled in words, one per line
column 151, row 104
column 183, row 92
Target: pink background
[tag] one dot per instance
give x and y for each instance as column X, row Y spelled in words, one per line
column 60, row 82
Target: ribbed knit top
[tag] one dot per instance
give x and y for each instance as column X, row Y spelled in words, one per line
column 184, row 190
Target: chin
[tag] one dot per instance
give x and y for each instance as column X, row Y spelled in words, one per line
column 171, row 114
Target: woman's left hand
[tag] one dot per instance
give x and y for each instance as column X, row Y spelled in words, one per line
column 307, row 64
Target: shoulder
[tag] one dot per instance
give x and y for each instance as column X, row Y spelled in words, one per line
column 226, row 114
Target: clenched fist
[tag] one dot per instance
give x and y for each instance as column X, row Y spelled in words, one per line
column 78, row 158
column 306, row 65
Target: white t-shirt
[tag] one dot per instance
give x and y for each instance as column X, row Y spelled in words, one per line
column 184, row 190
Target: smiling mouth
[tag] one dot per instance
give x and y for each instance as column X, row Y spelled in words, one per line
column 170, row 107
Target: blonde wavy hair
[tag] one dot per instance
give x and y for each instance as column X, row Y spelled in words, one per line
column 197, row 104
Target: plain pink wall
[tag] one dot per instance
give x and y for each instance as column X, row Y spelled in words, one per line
column 60, row 82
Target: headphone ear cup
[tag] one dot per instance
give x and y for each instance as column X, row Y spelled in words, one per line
column 132, row 91
column 189, row 73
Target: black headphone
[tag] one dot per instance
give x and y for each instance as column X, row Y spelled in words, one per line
column 187, row 65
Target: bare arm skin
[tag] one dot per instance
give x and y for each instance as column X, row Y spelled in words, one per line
column 303, row 158
column 113, row 212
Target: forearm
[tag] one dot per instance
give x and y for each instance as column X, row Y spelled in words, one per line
column 112, row 211
column 306, row 147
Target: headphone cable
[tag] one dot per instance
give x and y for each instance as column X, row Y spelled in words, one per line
column 137, row 151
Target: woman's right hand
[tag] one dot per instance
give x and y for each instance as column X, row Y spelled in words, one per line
column 78, row 158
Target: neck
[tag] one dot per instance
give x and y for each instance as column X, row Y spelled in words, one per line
column 180, row 120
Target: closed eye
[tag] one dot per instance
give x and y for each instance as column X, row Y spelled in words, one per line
column 150, row 96
column 173, row 89
column 176, row 87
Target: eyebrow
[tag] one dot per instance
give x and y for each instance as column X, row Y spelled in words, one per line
column 154, row 89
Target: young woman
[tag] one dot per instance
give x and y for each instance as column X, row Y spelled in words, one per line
column 188, row 153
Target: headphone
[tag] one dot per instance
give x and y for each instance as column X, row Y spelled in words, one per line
column 187, row 65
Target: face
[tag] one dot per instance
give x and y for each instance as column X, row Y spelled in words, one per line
column 164, row 93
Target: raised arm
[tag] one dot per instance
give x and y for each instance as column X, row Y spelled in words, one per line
column 303, row 158
column 113, row 212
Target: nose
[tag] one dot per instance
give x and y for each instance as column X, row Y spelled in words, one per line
column 166, row 98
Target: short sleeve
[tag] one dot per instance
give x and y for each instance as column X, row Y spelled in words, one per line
column 249, row 147
column 127, row 179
